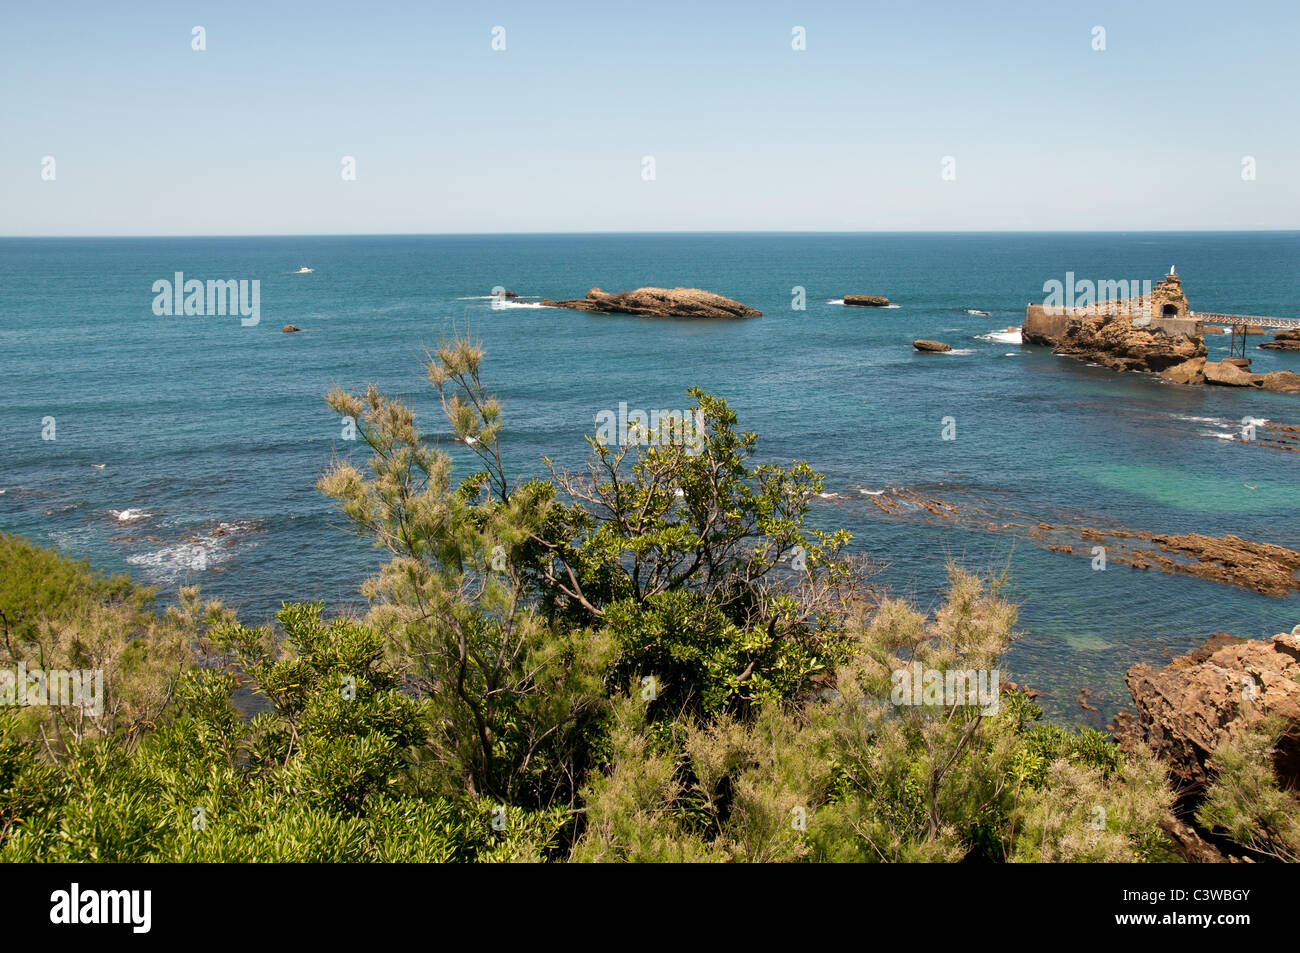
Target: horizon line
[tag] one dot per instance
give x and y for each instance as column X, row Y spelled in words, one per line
column 672, row 231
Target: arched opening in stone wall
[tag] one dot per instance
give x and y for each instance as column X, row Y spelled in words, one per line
column 1169, row 311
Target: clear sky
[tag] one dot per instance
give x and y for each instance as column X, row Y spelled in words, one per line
column 150, row 137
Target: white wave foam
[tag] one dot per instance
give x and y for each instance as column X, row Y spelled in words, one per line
column 866, row 492
column 171, row 562
column 836, row 301
column 982, row 314
column 829, row 496
column 508, row 303
column 961, row 350
column 1003, row 337
column 129, row 515
column 190, row 555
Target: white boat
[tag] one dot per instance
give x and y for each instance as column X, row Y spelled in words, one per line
column 304, row 270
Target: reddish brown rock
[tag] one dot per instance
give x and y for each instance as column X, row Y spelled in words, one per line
column 1200, row 700
column 1264, row 567
column 866, row 301
column 659, row 303
column 289, row 329
column 935, row 346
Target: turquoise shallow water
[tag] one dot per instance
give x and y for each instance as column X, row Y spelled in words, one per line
column 212, row 434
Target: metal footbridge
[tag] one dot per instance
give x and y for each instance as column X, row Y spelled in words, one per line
column 1246, row 320
column 1240, row 322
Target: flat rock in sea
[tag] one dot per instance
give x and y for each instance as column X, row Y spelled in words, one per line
column 659, row 303
column 936, row 346
column 866, row 301
column 1283, row 341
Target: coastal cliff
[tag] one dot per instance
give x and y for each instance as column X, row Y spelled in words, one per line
column 1200, row 700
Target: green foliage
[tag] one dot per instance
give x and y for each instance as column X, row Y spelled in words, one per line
column 325, row 775
column 855, row 777
column 1245, row 801
column 40, row 585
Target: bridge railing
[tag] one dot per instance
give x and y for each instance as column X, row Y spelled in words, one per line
column 1252, row 320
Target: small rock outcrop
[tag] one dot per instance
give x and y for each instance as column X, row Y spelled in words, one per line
column 1200, row 700
column 659, row 303
column 1282, row 382
column 1283, row 341
column 1120, row 344
column 866, row 301
column 290, row 329
column 1227, row 374
column 935, row 346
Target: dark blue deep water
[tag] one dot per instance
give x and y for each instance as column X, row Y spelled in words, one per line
column 213, row 434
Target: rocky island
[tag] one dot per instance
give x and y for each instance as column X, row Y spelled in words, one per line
column 1154, row 333
column 658, row 303
column 866, row 301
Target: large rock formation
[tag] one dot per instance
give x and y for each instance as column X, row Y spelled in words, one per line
column 1200, row 700
column 936, row 346
column 1120, row 344
column 659, row 303
column 866, row 301
column 1283, row 341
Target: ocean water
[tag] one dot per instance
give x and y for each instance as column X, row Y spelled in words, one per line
column 186, row 448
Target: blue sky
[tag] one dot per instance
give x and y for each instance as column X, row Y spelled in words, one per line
column 150, row 137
